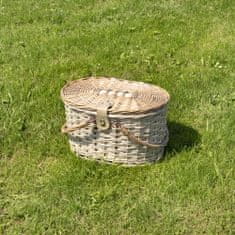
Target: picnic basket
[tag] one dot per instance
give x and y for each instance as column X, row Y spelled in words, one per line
column 115, row 121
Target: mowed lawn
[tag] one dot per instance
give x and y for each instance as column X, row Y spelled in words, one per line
column 185, row 46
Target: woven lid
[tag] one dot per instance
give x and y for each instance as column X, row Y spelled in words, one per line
column 122, row 96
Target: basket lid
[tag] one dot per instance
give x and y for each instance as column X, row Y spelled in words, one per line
column 122, row 96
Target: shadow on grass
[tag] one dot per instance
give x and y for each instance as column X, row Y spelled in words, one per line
column 181, row 137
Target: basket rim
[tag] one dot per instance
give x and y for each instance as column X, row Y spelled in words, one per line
column 120, row 116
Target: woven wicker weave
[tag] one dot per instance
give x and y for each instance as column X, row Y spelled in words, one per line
column 115, row 120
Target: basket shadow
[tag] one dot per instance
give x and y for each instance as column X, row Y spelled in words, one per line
column 181, row 137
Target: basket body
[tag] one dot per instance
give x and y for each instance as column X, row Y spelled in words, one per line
column 112, row 145
column 116, row 121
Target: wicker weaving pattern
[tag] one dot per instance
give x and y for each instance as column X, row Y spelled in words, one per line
column 124, row 96
column 137, row 131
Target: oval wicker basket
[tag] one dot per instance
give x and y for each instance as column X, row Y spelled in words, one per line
column 116, row 121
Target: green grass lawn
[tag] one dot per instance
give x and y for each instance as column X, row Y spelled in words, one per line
column 185, row 46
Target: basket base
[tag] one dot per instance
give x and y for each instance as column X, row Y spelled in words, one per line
column 123, row 162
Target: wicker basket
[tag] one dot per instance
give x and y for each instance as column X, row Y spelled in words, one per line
column 116, row 121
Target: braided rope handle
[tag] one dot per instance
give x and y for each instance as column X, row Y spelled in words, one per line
column 65, row 129
column 137, row 140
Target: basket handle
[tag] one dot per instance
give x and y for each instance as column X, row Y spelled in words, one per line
column 65, row 129
column 137, row 140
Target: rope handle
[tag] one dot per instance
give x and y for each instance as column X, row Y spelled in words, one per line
column 65, row 129
column 137, row 140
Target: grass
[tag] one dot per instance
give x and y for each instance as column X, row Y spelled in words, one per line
column 184, row 46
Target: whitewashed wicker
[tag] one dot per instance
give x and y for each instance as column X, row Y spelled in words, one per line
column 116, row 121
